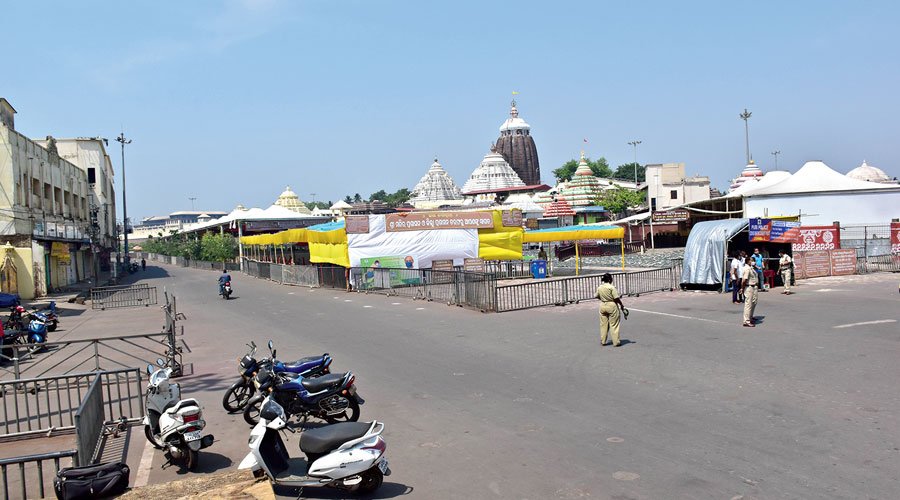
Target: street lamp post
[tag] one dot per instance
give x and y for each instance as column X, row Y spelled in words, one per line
column 192, row 198
column 746, row 116
column 122, row 140
column 635, row 144
column 775, row 154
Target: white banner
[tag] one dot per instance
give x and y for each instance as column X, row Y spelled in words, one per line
column 422, row 246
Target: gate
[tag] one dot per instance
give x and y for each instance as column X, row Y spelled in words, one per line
column 110, row 297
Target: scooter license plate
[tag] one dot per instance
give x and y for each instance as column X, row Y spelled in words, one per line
column 383, row 465
column 193, row 435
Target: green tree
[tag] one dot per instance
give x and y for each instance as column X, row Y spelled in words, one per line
column 626, row 171
column 380, row 195
column 218, row 247
column 599, row 167
column 348, row 199
column 619, row 199
column 357, row 198
column 398, row 197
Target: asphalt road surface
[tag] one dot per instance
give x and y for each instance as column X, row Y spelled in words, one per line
column 527, row 405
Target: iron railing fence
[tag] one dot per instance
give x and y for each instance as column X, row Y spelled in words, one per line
column 507, row 269
column 871, row 240
column 89, row 420
column 561, row 291
column 300, row 275
column 40, row 405
column 112, row 297
column 28, row 476
column 68, row 356
column 462, row 288
column 877, row 263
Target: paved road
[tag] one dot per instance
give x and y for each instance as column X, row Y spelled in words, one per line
column 528, row 405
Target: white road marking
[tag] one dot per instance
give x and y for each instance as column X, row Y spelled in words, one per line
column 143, row 472
column 366, row 307
column 347, row 300
column 395, row 303
column 420, row 309
column 678, row 316
column 878, row 322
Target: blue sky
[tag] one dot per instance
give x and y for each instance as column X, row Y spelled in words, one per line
column 229, row 101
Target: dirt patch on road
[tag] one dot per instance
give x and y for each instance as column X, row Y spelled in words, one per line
column 238, row 485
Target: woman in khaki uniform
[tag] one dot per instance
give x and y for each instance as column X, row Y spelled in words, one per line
column 609, row 310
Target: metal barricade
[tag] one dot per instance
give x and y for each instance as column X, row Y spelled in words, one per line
column 111, row 297
column 463, row 288
column 301, row 275
column 89, row 423
column 50, row 404
column 276, row 273
column 27, row 477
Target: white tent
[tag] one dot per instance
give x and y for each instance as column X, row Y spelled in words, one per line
column 821, row 196
column 755, row 184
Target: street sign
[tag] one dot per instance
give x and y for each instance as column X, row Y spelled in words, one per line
column 671, row 216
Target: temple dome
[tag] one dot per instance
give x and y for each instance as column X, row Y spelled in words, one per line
column 584, row 186
column 289, row 200
column 517, row 147
column 435, row 188
column 866, row 172
column 492, row 173
column 751, row 171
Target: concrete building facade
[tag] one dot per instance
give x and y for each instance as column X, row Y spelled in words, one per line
column 667, row 186
column 44, row 215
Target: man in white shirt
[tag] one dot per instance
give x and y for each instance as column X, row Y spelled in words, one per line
column 786, row 266
column 735, row 275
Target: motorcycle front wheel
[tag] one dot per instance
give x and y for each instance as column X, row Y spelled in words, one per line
column 251, row 411
column 51, row 327
column 237, row 396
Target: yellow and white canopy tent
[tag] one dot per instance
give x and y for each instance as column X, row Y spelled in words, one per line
column 576, row 234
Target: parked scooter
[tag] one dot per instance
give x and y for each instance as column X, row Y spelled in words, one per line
column 48, row 315
column 171, row 423
column 31, row 328
column 239, row 394
column 226, row 290
column 348, row 455
column 330, row 397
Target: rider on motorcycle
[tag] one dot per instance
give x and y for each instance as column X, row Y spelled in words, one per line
column 223, row 278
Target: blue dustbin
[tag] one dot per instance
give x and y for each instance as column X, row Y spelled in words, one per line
column 539, row 269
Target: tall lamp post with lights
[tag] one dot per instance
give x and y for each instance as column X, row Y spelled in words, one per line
column 746, row 117
column 123, row 141
column 635, row 145
column 775, row 154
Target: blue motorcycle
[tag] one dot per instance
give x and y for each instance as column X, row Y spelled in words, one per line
column 330, row 397
column 239, row 394
column 32, row 328
column 49, row 316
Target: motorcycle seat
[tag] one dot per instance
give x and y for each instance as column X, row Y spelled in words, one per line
column 302, row 361
column 322, row 383
column 325, row 439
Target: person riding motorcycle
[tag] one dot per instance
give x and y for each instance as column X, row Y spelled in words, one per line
column 223, row 278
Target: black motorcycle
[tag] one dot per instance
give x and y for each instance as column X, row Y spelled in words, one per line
column 332, row 397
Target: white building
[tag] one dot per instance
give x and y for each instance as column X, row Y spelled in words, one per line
column 667, row 186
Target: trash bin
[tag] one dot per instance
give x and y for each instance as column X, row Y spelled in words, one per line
column 539, row 269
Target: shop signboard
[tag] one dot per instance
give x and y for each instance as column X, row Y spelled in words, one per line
column 278, row 225
column 511, row 218
column 773, row 231
column 671, row 216
column 70, row 232
column 895, row 238
column 817, row 238
column 423, row 221
column 61, row 252
column 38, row 229
column 474, row 265
column 51, row 229
column 357, row 224
column 843, row 262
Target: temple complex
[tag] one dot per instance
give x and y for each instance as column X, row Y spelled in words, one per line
column 435, row 188
column 491, row 176
column 289, row 200
column 517, row 147
column 751, row 171
column 584, row 186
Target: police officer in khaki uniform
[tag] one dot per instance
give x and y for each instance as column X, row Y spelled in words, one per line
column 610, row 303
column 786, row 266
column 751, row 291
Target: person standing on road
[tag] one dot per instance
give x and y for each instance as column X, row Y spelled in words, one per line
column 610, row 303
column 750, row 282
column 785, row 266
column 143, row 264
column 760, row 263
column 735, row 275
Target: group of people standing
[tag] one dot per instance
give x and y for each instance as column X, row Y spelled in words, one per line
column 746, row 276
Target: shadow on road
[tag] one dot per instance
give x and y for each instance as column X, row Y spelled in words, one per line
column 209, row 462
column 208, row 382
column 387, row 490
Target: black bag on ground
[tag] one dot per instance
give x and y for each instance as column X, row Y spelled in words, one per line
column 92, row 481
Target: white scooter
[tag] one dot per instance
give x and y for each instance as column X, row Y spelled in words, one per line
column 171, row 423
column 346, row 455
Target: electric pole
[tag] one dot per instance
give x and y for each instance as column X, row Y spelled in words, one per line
column 746, row 117
column 124, row 141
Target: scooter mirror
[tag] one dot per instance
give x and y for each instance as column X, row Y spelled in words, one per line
column 271, row 345
column 160, row 362
column 149, row 368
